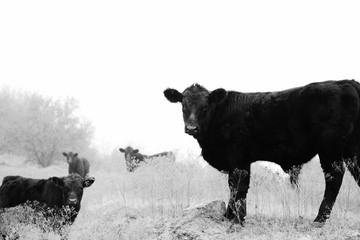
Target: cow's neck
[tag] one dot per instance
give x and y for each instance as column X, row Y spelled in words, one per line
column 229, row 123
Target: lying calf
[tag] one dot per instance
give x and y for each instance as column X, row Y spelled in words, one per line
column 54, row 192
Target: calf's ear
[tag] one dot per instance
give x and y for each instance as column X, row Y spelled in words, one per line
column 173, row 95
column 217, row 96
column 88, row 181
column 121, row 150
column 136, row 151
column 57, row 181
column 75, row 154
column 65, row 154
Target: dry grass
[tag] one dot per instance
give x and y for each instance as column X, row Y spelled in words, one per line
column 122, row 205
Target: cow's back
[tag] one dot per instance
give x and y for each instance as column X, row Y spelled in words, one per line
column 168, row 155
column 9, row 178
column 18, row 190
column 14, row 191
column 319, row 113
column 319, row 110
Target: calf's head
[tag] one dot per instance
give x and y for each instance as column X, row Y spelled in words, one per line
column 132, row 157
column 72, row 188
column 70, row 157
column 129, row 152
column 197, row 103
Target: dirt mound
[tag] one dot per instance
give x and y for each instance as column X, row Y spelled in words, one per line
column 201, row 222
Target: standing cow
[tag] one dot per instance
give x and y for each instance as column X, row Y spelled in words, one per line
column 133, row 157
column 55, row 192
column 287, row 127
column 77, row 165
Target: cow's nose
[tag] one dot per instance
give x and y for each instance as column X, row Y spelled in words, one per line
column 72, row 200
column 192, row 129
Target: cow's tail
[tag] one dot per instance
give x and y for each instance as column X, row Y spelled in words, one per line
column 294, row 176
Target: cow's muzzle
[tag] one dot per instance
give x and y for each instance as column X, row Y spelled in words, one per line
column 72, row 201
column 192, row 130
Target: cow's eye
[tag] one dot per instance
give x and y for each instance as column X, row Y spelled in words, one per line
column 185, row 109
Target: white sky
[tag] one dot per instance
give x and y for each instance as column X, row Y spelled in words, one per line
column 117, row 57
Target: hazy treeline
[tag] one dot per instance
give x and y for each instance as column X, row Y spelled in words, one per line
column 40, row 127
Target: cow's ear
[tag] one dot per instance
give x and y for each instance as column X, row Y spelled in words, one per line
column 173, row 95
column 88, row 181
column 217, row 96
column 136, row 151
column 65, row 154
column 121, row 150
column 75, row 154
column 57, row 181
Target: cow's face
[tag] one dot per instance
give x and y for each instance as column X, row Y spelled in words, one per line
column 129, row 152
column 130, row 157
column 70, row 157
column 72, row 188
column 197, row 103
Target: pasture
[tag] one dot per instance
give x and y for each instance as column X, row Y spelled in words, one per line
column 123, row 205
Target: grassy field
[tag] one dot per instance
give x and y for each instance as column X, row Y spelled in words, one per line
column 122, row 205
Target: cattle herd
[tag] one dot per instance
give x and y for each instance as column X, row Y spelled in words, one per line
column 233, row 130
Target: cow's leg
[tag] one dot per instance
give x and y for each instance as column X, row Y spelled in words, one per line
column 334, row 172
column 239, row 181
column 352, row 165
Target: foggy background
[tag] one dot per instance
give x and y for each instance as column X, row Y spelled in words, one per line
column 117, row 57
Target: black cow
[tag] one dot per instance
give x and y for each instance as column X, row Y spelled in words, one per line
column 287, row 127
column 133, row 157
column 54, row 192
column 77, row 165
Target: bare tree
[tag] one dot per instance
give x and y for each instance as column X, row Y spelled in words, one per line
column 42, row 128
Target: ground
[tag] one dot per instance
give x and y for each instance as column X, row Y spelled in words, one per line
column 186, row 200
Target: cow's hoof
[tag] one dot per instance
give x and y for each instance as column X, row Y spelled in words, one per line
column 316, row 224
column 235, row 227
